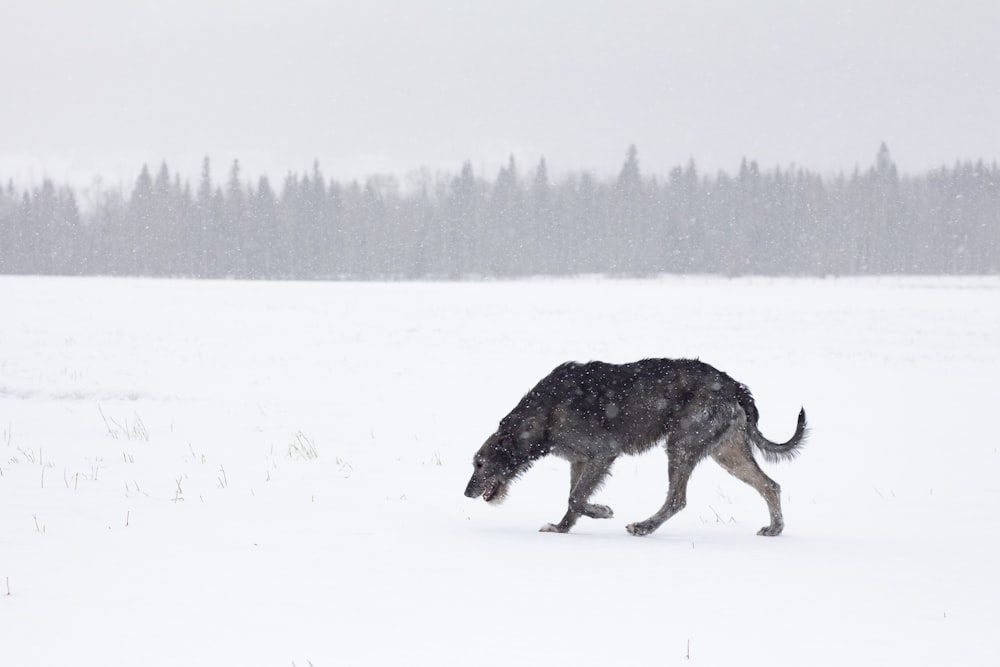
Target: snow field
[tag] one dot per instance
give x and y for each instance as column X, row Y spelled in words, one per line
column 206, row 473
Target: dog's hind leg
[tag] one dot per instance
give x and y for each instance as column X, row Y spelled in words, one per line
column 679, row 469
column 735, row 456
column 584, row 478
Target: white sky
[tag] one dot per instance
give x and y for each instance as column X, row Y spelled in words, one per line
column 98, row 87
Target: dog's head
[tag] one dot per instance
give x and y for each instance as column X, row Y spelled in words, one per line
column 505, row 456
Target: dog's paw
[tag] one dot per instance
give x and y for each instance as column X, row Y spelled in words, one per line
column 771, row 531
column 599, row 512
column 640, row 529
column 553, row 528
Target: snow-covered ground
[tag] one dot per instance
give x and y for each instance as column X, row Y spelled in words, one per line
column 220, row 473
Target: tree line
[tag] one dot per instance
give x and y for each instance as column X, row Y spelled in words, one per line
column 776, row 221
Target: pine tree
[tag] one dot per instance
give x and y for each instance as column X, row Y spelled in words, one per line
column 545, row 248
column 234, row 225
column 626, row 227
column 203, row 239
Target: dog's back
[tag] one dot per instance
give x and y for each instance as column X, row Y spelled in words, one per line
column 638, row 404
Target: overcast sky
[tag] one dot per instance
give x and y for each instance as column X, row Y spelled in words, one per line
column 98, row 87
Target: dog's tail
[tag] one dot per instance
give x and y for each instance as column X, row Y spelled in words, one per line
column 772, row 451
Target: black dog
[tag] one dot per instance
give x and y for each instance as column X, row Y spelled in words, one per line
column 590, row 414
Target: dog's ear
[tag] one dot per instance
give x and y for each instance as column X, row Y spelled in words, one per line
column 531, row 433
column 506, row 443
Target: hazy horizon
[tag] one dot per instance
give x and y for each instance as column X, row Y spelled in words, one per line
column 98, row 89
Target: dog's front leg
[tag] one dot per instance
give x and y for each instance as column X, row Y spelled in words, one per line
column 585, row 478
column 567, row 522
column 563, row 526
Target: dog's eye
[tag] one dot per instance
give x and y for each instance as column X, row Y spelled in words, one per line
column 479, row 465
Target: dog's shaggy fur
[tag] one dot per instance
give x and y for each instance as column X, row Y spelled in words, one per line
column 590, row 414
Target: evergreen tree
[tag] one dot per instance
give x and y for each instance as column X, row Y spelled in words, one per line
column 203, row 244
column 545, row 248
column 262, row 232
column 134, row 256
column 625, row 228
column 234, row 228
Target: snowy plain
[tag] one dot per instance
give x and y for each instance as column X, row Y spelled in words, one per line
column 231, row 473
